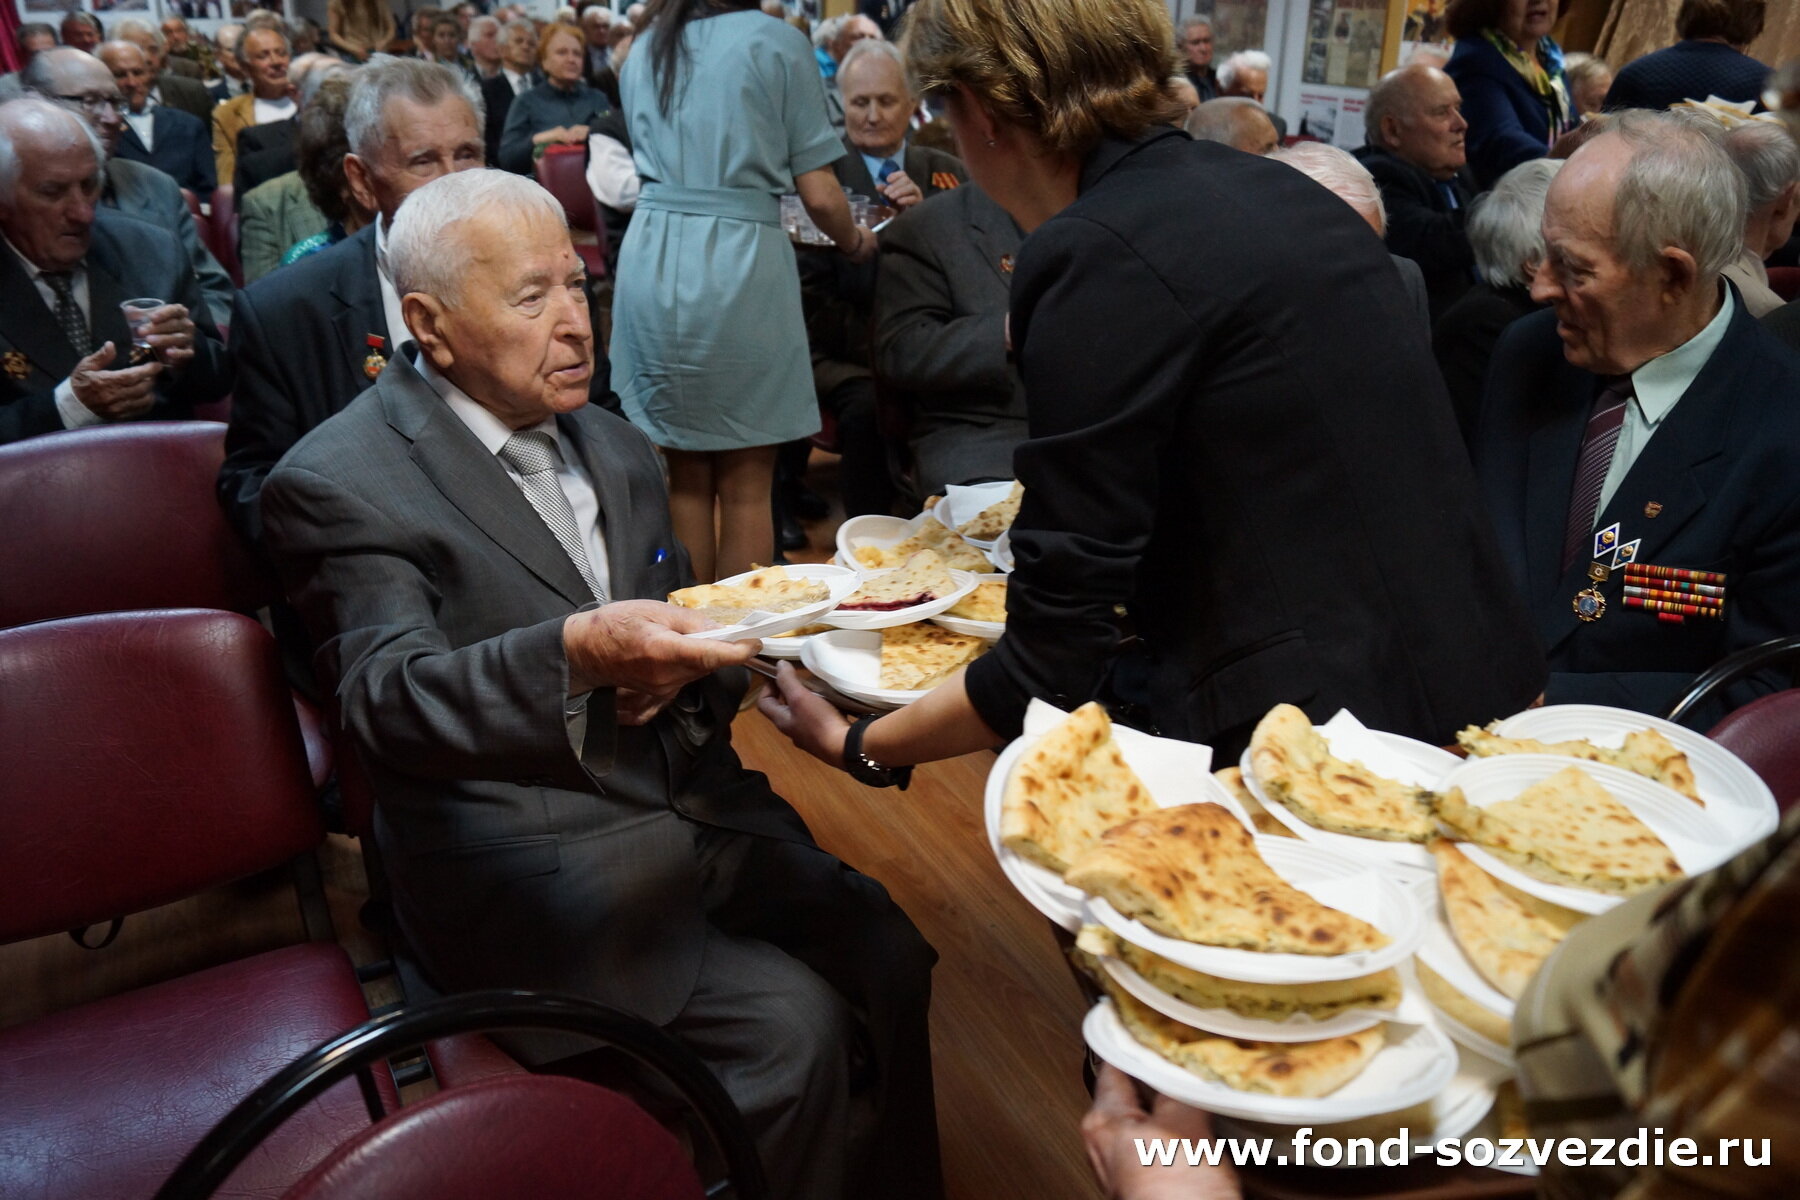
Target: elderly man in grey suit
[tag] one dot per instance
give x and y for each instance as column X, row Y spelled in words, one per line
column 557, row 801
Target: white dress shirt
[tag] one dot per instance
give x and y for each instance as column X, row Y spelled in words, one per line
column 144, row 124
column 267, row 112
column 74, row 414
column 398, row 333
column 612, row 173
column 520, row 83
column 493, row 434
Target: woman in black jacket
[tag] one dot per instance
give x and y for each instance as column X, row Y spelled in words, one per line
column 1236, row 433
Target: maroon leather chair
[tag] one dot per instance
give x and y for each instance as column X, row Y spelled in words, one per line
column 150, row 756
column 1785, row 282
column 1766, row 734
column 125, row 517
column 562, row 170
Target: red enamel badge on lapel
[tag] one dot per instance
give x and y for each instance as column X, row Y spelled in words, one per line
column 373, row 364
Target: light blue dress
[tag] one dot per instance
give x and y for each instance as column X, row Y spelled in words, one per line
column 709, row 345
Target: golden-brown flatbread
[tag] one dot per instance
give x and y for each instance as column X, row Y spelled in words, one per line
column 1294, row 764
column 1266, row 825
column 1567, row 830
column 917, row 657
column 1645, row 752
column 995, row 519
column 1507, row 934
column 1458, row 1007
column 933, row 535
column 922, row 579
column 1193, row 872
column 772, row 589
column 1305, row 1069
column 1068, row 789
column 1257, row 1001
column 986, row 603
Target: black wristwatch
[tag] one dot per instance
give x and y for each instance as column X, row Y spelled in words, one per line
column 866, row 770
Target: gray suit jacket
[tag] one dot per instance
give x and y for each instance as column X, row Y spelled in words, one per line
column 525, row 847
column 139, row 190
column 189, row 95
column 940, row 312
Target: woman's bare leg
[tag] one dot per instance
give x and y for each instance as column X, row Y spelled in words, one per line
column 691, row 494
column 743, row 479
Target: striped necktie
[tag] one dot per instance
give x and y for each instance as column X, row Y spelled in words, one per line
column 533, row 454
column 68, row 313
column 1598, row 442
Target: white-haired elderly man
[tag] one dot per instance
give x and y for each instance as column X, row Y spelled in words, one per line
column 482, row 557
column 176, row 143
column 1245, row 73
column 1197, row 57
column 1235, row 121
column 1765, row 152
column 1415, row 151
column 175, row 81
column 69, row 358
column 1506, row 232
column 263, row 56
column 1639, row 446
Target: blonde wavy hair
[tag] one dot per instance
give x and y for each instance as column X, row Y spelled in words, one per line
column 1067, row 71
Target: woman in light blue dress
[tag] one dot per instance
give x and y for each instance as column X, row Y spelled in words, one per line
column 727, row 112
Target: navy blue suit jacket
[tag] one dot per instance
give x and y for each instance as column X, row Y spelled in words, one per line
column 182, row 149
column 1508, row 123
column 1688, row 70
column 1724, row 467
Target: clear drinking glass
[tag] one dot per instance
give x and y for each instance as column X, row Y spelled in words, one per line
column 137, row 312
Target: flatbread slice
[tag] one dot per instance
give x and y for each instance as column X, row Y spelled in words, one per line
column 917, row 657
column 1068, row 789
column 1193, row 872
column 922, row 579
column 995, row 519
column 1305, row 1069
column 1294, row 764
column 1266, row 826
column 771, row 589
column 1257, row 1001
column 1566, row 830
column 933, row 534
column 1507, row 934
column 986, row 603
column 1646, row 752
column 1458, row 1007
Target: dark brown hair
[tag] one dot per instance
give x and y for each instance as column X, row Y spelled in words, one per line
column 668, row 18
column 320, row 146
column 1736, row 22
column 1467, row 18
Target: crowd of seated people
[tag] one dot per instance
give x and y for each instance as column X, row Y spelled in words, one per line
column 355, row 265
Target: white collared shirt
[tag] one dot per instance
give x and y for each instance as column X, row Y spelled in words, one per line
column 267, row 112
column 493, row 434
column 520, row 83
column 1656, row 388
column 398, row 333
column 74, row 414
column 144, row 124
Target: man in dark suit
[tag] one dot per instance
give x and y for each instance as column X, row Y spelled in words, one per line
column 264, row 152
column 879, row 162
column 558, row 803
column 66, row 351
column 518, row 74
column 1640, row 445
column 174, row 142
column 1415, row 152
column 940, row 313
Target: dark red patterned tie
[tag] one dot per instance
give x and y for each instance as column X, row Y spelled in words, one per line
column 1597, row 444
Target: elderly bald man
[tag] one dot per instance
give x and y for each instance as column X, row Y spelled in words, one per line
column 83, row 85
column 71, row 358
column 482, row 557
column 1236, row 121
column 175, row 142
column 1639, row 445
column 1416, row 153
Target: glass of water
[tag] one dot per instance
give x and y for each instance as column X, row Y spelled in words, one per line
column 137, row 315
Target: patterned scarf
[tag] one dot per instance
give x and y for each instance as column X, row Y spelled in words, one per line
column 1543, row 73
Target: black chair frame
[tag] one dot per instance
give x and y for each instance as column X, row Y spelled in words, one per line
column 210, row 1163
column 1778, row 652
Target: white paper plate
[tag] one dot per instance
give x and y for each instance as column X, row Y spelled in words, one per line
column 1001, row 555
column 1695, row 840
column 1358, row 888
column 850, row 661
column 1441, row 952
column 1736, row 796
column 1226, row 1023
column 786, row 647
column 1174, row 772
column 872, row 527
column 965, row 583
column 840, row 580
column 1462, row 1106
column 962, row 504
column 1488, row 1128
column 1417, row 1063
column 1402, row 758
column 991, row 630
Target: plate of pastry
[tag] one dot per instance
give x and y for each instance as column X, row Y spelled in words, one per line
column 768, row 601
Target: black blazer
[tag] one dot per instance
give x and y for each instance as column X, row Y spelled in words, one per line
column 183, row 149
column 1784, row 323
column 126, row 258
column 497, row 98
column 1508, row 122
column 300, row 336
column 1423, row 226
column 1242, row 439
column 263, row 152
column 1463, row 341
column 1724, row 467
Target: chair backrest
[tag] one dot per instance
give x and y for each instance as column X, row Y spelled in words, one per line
column 513, row 1135
column 148, row 756
column 563, row 173
column 1785, row 282
column 121, row 517
column 1766, row 734
column 225, row 234
column 193, row 207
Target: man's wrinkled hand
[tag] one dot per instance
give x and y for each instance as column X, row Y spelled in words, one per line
column 901, row 191
column 1115, row 1123
column 170, row 331
column 114, row 395
column 637, row 647
column 807, row 719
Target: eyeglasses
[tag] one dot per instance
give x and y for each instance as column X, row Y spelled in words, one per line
column 96, row 101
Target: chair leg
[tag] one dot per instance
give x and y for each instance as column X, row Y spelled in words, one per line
column 309, row 886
